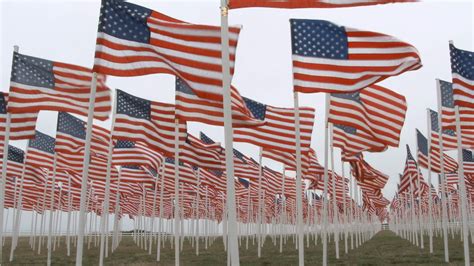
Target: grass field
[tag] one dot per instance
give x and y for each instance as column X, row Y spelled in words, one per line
column 384, row 249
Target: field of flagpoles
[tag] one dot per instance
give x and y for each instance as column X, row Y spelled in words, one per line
column 149, row 180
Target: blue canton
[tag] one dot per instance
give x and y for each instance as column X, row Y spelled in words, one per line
column 124, row 144
column 124, row 20
column 3, row 103
column 447, row 99
column 133, row 106
column 206, row 139
column 462, row 62
column 182, row 86
column 434, row 121
column 467, row 156
column 353, row 96
column 318, row 38
column 15, row 154
column 42, row 142
column 422, row 143
column 32, row 71
column 258, row 109
column 244, row 182
column 347, row 129
column 409, row 156
column 71, row 125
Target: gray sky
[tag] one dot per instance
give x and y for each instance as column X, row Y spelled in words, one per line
column 66, row 31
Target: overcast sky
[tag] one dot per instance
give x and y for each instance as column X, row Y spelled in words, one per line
column 66, row 31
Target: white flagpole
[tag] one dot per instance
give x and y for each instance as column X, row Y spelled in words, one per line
column 3, row 181
column 346, row 232
column 176, row 192
column 105, row 211
column 69, row 209
column 232, row 219
column 333, row 196
column 259, row 225
column 299, row 197
column 51, row 205
column 281, row 208
column 160, row 222
column 85, row 172
column 152, row 222
column 443, row 177
column 325, row 192
column 430, row 200
column 420, row 216
column 198, row 200
column 462, row 189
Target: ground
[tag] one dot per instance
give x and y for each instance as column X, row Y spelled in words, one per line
column 383, row 249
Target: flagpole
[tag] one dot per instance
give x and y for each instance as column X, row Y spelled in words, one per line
column 259, row 225
column 418, row 181
column 160, row 222
column 333, row 196
column 443, row 177
column 4, row 172
column 462, row 188
column 281, row 208
column 325, row 192
column 152, row 222
column 346, row 236
column 430, row 200
column 105, row 211
column 232, row 220
column 51, row 204
column 176, row 192
column 85, row 172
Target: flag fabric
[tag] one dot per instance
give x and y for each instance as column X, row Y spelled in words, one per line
column 130, row 153
column 38, row 84
column 308, row 3
column 134, row 41
column 375, row 110
column 352, row 141
column 278, row 132
column 147, row 121
column 199, row 154
column 22, row 126
column 41, row 150
column 190, row 107
column 410, row 172
column 468, row 162
column 462, row 68
column 450, row 165
column 466, row 114
column 449, row 135
column 332, row 58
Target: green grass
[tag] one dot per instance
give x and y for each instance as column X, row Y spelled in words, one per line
column 384, row 249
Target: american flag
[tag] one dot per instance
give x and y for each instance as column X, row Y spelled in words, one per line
column 190, row 107
column 22, row 126
column 278, row 132
column 352, row 141
column 128, row 152
column 366, row 175
column 41, row 150
column 450, row 164
column 452, row 178
column 375, row 110
column 309, row 4
column 134, row 41
column 199, row 154
column 147, row 121
column 409, row 173
column 331, row 58
column 466, row 114
column 16, row 158
column 468, row 162
column 462, row 68
column 38, row 84
column 449, row 135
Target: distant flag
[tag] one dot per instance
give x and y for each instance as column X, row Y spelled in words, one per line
column 409, row 173
column 332, row 58
column 468, row 162
column 352, row 141
column 244, row 182
column 375, row 110
column 462, row 68
column 147, row 121
column 449, row 135
column 128, row 152
column 134, row 41
column 450, row 164
column 41, row 150
column 38, row 84
column 466, row 114
column 190, row 107
column 22, row 126
column 199, row 154
column 309, row 3
column 278, row 133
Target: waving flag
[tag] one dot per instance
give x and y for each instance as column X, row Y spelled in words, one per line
column 449, row 135
column 130, row 153
column 134, row 40
column 190, row 107
column 409, row 173
column 375, row 110
column 147, row 121
column 278, row 133
column 41, row 150
column 199, row 154
column 462, row 68
column 309, row 3
column 39, row 84
column 450, row 164
column 466, row 114
column 468, row 162
column 332, row 58
column 352, row 141
column 22, row 126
